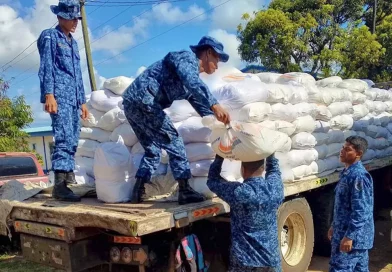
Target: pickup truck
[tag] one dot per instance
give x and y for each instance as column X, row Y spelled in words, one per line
column 21, row 166
column 75, row 237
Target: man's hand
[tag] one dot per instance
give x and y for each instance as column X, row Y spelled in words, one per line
column 84, row 112
column 346, row 245
column 221, row 114
column 50, row 103
column 330, row 232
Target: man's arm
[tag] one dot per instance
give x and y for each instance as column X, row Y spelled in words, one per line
column 361, row 205
column 274, row 176
column 222, row 188
column 46, row 63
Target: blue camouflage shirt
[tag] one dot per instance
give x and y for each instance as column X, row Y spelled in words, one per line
column 353, row 211
column 60, row 73
column 176, row 77
column 253, row 207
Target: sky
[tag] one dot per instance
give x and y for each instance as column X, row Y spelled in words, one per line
column 124, row 39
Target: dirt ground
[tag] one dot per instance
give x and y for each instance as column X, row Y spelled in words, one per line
column 380, row 256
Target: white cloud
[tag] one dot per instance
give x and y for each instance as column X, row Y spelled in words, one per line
column 140, row 70
column 228, row 16
column 170, row 14
column 230, row 44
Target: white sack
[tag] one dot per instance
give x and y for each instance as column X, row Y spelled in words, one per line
column 339, row 108
column 342, row 122
column 370, row 154
column 359, row 98
column 244, row 141
column 199, row 151
column 199, row 184
column 287, row 175
column 322, row 151
column 268, row 77
column 126, row 132
column 95, row 134
column 322, row 126
column 279, row 93
column 377, row 132
column 114, row 192
column 180, row 110
column 117, row 85
column 389, row 106
column 385, row 118
column 221, row 77
column 382, row 95
column 380, row 107
column 86, row 163
column 254, row 112
column 302, row 171
column 272, row 125
column 93, row 117
column 327, row 96
column 104, row 100
column 321, row 138
column 380, row 143
column 334, row 149
column 285, row 127
column 323, row 113
column 303, row 140
column 87, row 147
column 389, row 127
column 112, row 162
column 247, row 89
column 331, row 163
column 200, row 168
column 297, row 77
column 354, row 85
column 193, row 131
column 335, row 136
column 348, row 133
column 360, row 111
column 296, row 158
column 81, row 176
column 286, row 147
column 304, row 124
column 332, row 81
column 111, row 119
column 371, row 94
column 291, row 112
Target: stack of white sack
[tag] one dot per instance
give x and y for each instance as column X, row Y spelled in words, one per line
column 105, row 122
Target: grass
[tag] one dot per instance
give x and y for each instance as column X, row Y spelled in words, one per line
column 12, row 263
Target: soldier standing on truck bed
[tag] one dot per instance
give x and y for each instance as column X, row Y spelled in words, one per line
column 253, row 207
column 62, row 92
column 352, row 230
column 175, row 77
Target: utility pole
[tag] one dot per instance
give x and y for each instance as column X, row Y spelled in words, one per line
column 87, row 46
column 374, row 16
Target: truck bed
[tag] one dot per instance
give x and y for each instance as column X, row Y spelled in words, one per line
column 147, row 217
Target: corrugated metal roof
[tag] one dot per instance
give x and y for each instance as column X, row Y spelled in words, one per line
column 38, row 129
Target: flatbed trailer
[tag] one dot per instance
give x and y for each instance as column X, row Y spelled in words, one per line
column 78, row 236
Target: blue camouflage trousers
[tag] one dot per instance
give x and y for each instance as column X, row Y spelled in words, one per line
column 155, row 131
column 356, row 260
column 66, row 131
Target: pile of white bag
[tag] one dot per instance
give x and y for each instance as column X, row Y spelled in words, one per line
column 309, row 120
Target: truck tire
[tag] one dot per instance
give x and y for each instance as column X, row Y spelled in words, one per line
column 322, row 204
column 296, row 235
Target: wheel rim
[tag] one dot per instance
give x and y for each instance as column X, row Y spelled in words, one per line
column 293, row 239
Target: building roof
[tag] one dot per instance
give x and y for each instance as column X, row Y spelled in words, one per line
column 39, row 131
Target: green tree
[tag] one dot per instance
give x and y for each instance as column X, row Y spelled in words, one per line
column 327, row 36
column 15, row 115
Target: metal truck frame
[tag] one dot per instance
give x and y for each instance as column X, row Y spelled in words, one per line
column 75, row 237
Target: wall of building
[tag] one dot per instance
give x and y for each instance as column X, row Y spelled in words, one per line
column 42, row 145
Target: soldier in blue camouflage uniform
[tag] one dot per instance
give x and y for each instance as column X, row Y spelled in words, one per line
column 253, row 207
column 352, row 230
column 62, row 92
column 175, row 77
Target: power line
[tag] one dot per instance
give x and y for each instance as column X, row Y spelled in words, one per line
column 98, row 7
column 163, row 33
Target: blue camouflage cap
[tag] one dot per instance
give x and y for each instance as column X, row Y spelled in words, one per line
column 217, row 46
column 67, row 9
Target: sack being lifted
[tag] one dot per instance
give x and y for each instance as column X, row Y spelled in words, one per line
column 245, row 142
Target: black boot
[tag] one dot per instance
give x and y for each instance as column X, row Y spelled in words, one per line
column 186, row 194
column 138, row 191
column 71, row 178
column 60, row 190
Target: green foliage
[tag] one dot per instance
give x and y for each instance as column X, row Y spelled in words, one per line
column 15, row 115
column 328, row 36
